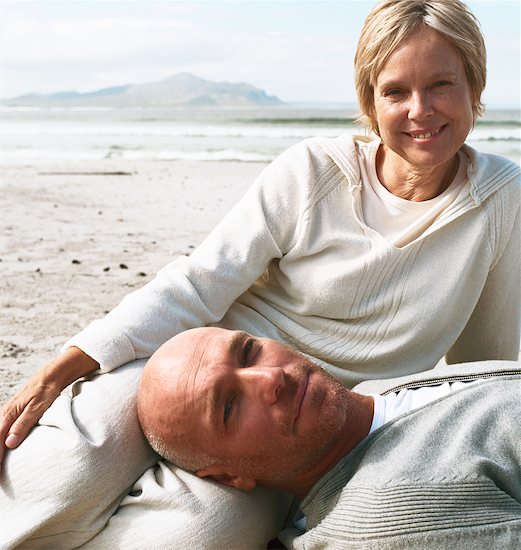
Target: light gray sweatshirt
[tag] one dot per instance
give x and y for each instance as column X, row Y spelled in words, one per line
column 444, row 476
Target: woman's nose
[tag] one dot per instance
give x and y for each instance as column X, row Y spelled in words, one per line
column 420, row 106
column 264, row 382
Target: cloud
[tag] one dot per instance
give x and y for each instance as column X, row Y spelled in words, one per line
column 296, row 50
column 76, row 54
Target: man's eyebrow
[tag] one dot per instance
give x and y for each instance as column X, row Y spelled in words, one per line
column 215, row 410
column 212, row 411
column 237, row 340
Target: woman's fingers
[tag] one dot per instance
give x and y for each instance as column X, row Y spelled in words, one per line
column 8, row 416
column 5, row 424
column 22, row 413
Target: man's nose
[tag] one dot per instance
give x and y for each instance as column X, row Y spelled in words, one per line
column 420, row 105
column 264, row 382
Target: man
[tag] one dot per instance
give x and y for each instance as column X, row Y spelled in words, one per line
column 418, row 468
column 71, row 484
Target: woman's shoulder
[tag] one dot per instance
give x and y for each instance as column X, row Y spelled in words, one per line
column 310, row 170
column 341, row 152
column 323, row 149
column 489, row 174
column 496, row 187
column 316, row 162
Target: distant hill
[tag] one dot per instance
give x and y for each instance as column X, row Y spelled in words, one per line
column 183, row 90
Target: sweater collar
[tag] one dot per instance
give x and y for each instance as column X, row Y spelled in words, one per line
column 486, row 172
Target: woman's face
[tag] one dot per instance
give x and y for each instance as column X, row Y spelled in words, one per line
column 423, row 102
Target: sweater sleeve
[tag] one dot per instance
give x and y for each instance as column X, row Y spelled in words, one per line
column 493, row 330
column 198, row 289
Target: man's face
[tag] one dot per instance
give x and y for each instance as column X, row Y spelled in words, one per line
column 253, row 403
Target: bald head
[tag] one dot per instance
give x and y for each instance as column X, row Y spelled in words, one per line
column 235, row 407
column 160, row 395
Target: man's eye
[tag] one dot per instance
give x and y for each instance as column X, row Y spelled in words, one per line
column 228, row 410
column 246, row 351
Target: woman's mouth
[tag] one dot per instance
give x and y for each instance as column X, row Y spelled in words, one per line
column 425, row 134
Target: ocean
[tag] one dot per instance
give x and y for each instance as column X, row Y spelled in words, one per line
column 36, row 135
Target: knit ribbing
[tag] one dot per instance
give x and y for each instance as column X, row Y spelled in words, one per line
column 447, row 472
column 369, row 513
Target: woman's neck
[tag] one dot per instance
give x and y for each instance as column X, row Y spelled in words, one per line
column 412, row 183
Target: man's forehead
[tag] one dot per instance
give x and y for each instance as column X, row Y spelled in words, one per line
column 213, row 355
column 208, row 348
column 203, row 355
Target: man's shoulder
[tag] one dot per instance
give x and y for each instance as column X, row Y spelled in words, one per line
column 402, row 479
column 441, row 373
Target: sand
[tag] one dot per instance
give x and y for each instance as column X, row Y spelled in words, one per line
column 76, row 238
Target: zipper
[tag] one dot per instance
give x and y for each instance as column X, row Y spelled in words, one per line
column 455, row 378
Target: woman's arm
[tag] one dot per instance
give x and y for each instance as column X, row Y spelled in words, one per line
column 198, row 290
column 189, row 292
column 23, row 411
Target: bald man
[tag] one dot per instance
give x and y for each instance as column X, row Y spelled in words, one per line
column 435, row 460
column 211, row 392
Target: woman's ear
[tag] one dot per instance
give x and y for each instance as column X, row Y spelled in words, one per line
column 221, row 474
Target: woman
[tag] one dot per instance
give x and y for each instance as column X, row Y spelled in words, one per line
column 377, row 257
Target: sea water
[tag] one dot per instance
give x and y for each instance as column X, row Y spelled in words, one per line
column 35, row 135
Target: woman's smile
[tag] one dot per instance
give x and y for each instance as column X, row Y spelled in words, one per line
column 424, row 112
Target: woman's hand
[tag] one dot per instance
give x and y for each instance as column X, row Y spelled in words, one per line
column 22, row 412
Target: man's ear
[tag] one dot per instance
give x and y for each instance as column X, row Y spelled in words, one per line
column 221, row 474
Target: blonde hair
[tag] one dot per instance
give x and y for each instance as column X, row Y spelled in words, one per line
column 392, row 21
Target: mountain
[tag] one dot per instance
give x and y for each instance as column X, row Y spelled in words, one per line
column 181, row 90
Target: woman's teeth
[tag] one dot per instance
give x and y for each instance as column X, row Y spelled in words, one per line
column 425, row 136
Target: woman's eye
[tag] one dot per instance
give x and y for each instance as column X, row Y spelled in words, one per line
column 393, row 92
column 228, row 410
column 441, row 84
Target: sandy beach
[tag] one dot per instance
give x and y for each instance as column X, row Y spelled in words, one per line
column 78, row 236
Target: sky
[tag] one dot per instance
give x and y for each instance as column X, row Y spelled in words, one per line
column 295, row 49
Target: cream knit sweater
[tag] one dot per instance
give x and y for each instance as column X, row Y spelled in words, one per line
column 293, row 260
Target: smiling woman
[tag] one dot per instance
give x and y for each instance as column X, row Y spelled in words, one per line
column 375, row 257
column 422, row 111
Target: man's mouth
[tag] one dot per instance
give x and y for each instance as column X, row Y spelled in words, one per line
column 300, row 395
